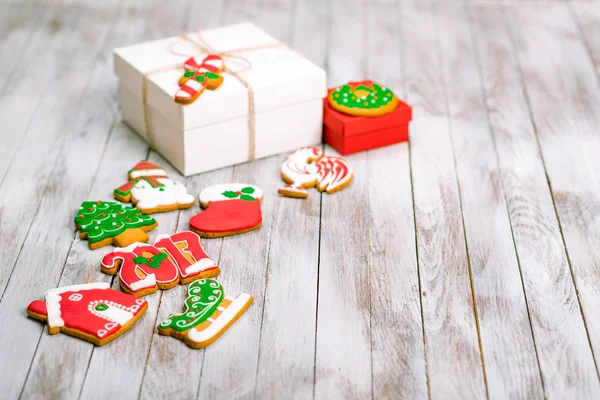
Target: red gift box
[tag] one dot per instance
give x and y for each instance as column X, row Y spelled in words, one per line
column 349, row 134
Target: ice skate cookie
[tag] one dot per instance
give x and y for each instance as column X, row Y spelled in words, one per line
column 201, row 73
column 151, row 191
column 364, row 99
column 171, row 260
column 92, row 312
column 104, row 223
column 307, row 167
column 207, row 313
column 231, row 209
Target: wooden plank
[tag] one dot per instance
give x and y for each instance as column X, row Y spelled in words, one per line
column 449, row 319
column 343, row 347
column 396, row 325
column 565, row 358
column 287, row 337
column 564, row 99
column 311, row 29
column 505, row 330
column 42, row 172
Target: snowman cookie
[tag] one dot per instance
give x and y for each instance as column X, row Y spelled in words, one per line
column 151, row 191
column 230, row 209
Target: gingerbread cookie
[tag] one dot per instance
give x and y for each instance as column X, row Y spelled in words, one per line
column 150, row 190
column 231, row 209
column 307, row 167
column 200, row 73
column 172, row 259
column 364, row 99
column 93, row 312
column 104, row 222
column 207, row 313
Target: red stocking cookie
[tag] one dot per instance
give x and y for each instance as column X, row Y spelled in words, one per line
column 150, row 190
column 103, row 223
column 93, row 312
column 173, row 259
column 231, row 209
column 207, row 313
column 307, row 167
column 200, row 74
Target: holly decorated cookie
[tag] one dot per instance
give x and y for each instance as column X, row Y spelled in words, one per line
column 104, row 223
column 151, row 191
column 308, row 167
column 364, row 99
column 230, row 209
column 93, row 312
column 207, row 313
column 171, row 260
column 201, row 73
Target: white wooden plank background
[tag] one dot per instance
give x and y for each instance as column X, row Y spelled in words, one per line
column 463, row 264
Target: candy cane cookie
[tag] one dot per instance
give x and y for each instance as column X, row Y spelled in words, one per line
column 200, row 74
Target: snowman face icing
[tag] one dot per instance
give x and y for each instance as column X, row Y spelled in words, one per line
column 171, row 192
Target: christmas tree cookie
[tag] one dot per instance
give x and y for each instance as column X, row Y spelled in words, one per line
column 151, row 191
column 93, row 312
column 171, row 260
column 364, row 99
column 207, row 313
column 104, row 222
column 307, row 167
column 231, row 209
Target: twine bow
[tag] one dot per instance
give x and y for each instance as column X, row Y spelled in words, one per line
column 204, row 48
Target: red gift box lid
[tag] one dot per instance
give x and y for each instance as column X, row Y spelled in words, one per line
column 348, row 125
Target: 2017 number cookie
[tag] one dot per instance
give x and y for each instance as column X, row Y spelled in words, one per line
column 364, row 99
column 172, row 259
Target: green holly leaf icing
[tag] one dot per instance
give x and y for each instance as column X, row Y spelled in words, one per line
column 211, row 75
column 200, row 78
column 204, row 296
column 229, row 194
column 248, row 190
column 152, row 262
column 106, row 219
column 188, row 74
column 246, row 197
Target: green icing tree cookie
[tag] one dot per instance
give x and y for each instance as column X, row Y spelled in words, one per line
column 104, row 222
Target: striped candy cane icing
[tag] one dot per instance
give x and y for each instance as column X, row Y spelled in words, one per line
column 200, row 73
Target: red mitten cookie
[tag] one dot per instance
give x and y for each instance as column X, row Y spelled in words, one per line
column 231, row 209
column 173, row 259
column 207, row 313
column 307, row 167
column 103, row 223
column 93, row 312
column 151, row 191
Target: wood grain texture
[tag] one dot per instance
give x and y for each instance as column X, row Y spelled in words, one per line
column 343, row 348
column 565, row 112
column 42, row 171
column 566, row 362
column 397, row 356
column 505, row 330
column 449, row 320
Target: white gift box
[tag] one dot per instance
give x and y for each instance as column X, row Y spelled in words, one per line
column 215, row 130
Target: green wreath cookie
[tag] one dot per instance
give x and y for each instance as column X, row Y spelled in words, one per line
column 364, row 99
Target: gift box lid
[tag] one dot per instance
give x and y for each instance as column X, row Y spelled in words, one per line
column 349, row 125
column 279, row 77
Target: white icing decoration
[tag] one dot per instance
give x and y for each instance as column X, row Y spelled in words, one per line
column 53, row 300
column 148, row 282
column 76, row 297
column 147, row 172
column 115, row 313
column 170, row 193
column 101, row 333
column 215, row 193
column 219, row 324
column 201, row 265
